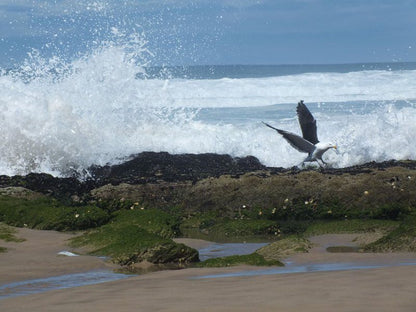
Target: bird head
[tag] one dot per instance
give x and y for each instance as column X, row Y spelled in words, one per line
column 334, row 146
column 326, row 146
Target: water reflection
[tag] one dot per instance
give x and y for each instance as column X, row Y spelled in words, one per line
column 293, row 268
column 57, row 282
column 228, row 249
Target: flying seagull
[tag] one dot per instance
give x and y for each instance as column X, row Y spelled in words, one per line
column 309, row 143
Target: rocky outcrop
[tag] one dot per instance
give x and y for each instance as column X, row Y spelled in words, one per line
column 47, row 184
column 19, row 192
column 378, row 193
column 161, row 254
column 143, row 168
column 207, row 182
column 151, row 167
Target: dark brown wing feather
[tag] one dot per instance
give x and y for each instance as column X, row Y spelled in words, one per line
column 295, row 140
column 307, row 123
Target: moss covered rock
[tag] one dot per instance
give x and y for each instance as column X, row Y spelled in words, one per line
column 386, row 193
column 19, row 192
column 284, row 248
column 127, row 244
column 8, row 234
column 251, row 259
column 46, row 213
column 371, row 193
column 402, row 238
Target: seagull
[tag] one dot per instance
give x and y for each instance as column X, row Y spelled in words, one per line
column 309, row 143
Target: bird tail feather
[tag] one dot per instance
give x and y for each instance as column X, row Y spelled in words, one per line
column 270, row 126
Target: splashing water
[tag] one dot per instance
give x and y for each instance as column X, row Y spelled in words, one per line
column 61, row 117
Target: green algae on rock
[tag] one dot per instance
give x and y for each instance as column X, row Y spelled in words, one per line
column 136, row 235
column 285, row 247
column 213, row 194
column 128, row 244
column 209, row 226
column 401, row 239
column 385, row 193
column 7, row 234
column 45, row 213
column 251, row 259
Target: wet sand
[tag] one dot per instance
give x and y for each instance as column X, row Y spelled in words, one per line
column 380, row 289
column 37, row 257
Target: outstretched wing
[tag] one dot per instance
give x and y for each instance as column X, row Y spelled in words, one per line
column 307, row 123
column 295, row 140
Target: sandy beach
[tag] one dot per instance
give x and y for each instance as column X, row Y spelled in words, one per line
column 389, row 288
column 38, row 257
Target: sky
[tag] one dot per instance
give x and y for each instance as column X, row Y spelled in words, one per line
column 211, row 32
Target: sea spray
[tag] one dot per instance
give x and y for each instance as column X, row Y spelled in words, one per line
column 60, row 117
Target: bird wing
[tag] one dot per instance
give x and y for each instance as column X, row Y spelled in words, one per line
column 307, row 123
column 295, row 140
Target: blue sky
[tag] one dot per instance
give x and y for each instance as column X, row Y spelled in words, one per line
column 186, row 32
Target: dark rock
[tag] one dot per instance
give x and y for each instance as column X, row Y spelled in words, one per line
column 152, row 167
column 161, row 254
column 47, row 184
column 164, row 168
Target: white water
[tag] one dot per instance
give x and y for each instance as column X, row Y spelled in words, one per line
column 57, row 117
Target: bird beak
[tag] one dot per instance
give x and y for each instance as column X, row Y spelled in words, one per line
column 336, row 149
column 335, row 146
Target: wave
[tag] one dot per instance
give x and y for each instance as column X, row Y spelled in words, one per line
column 61, row 117
column 311, row 87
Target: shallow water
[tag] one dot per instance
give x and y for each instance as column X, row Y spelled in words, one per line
column 317, row 267
column 40, row 285
column 228, row 249
column 343, row 249
column 95, row 277
column 214, row 250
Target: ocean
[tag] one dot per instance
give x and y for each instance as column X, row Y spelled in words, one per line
column 62, row 116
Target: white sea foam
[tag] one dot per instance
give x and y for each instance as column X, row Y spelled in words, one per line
column 57, row 117
column 311, row 87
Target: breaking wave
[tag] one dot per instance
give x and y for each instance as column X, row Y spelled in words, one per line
column 61, row 117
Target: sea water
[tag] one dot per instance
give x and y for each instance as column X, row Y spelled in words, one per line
column 61, row 116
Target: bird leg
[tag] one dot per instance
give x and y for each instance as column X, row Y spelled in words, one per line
column 321, row 165
column 302, row 164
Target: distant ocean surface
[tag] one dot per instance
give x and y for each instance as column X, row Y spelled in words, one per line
column 61, row 117
column 262, row 71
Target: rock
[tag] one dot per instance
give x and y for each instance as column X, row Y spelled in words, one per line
column 207, row 182
column 153, row 167
column 19, row 192
column 47, row 184
column 153, row 194
column 161, row 254
column 172, row 253
column 284, row 248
